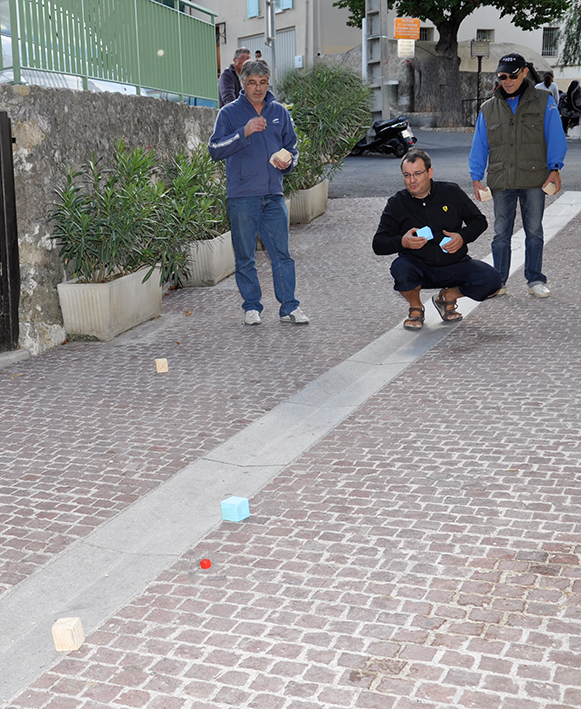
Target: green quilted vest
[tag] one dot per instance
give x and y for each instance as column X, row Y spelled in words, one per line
column 518, row 152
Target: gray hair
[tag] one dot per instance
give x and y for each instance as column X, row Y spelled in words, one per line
column 240, row 51
column 417, row 154
column 254, row 67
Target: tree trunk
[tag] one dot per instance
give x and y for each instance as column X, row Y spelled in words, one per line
column 450, row 103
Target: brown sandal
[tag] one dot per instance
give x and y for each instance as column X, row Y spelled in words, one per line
column 414, row 318
column 446, row 308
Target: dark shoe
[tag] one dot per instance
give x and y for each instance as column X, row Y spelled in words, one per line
column 417, row 319
column 446, row 309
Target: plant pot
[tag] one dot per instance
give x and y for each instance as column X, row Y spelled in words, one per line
column 104, row 310
column 305, row 205
column 211, row 260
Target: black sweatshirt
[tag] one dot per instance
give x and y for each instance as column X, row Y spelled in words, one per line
column 446, row 207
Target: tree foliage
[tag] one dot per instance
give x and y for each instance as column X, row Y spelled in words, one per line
column 523, row 14
column 356, row 11
column 447, row 16
column 571, row 52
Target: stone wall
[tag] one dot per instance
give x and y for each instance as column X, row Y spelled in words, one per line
column 53, row 128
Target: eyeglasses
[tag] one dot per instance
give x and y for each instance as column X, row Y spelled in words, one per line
column 504, row 77
column 407, row 176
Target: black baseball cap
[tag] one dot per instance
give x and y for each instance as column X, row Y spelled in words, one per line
column 511, row 63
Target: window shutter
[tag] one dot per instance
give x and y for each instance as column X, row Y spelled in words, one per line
column 286, row 5
column 252, row 6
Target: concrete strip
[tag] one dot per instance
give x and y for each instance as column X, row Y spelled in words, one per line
column 7, row 359
column 95, row 577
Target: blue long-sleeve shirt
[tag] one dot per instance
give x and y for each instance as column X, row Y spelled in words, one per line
column 554, row 138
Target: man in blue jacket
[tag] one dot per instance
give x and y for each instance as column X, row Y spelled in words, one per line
column 255, row 135
column 520, row 135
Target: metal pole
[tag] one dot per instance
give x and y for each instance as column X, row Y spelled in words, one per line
column 9, row 261
column 364, row 49
column 479, row 87
column 14, row 37
column 270, row 39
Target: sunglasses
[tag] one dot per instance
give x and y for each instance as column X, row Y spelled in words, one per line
column 504, row 77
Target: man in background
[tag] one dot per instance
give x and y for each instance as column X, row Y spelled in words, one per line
column 519, row 135
column 229, row 85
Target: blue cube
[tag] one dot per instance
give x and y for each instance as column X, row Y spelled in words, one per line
column 235, row 509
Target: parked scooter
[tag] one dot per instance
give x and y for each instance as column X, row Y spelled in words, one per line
column 394, row 136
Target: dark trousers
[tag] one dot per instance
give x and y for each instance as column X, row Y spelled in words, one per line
column 475, row 279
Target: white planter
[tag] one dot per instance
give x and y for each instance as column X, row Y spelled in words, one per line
column 211, row 261
column 104, row 310
column 305, row 205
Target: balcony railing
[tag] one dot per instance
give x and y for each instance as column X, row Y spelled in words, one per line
column 133, row 43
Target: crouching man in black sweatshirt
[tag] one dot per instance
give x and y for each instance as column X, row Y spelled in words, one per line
column 429, row 225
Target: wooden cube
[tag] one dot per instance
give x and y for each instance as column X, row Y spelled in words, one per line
column 68, row 634
column 161, row 365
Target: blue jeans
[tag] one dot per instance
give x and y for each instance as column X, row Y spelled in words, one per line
column 266, row 215
column 532, row 206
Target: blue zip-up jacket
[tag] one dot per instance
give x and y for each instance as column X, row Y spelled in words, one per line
column 248, row 170
column 554, row 138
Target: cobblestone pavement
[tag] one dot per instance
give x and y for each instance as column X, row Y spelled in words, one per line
column 425, row 553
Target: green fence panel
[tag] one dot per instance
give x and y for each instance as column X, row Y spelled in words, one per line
column 142, row 43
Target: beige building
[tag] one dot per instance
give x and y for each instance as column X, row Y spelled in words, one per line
column 305, row 29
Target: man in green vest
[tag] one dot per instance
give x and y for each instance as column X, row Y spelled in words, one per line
column 519, row 134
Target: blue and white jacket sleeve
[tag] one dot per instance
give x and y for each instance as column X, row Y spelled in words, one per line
column 479, row 153
column 225, row 141
column 554, row 136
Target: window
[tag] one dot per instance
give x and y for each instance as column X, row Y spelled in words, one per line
column 426, row 34
column 252, row 8
column 281, row 5
column 550, row 41
column 485, row 35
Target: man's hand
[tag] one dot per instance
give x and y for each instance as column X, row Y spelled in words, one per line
column 254, row 125
column 555, row 177
column 477, row 187
column 282, row 164
column 410, row 241
column 456, row 243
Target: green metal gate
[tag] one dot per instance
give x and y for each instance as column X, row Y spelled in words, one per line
column 141, row 43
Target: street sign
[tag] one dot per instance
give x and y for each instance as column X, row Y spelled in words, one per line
column 480, row 48
column 406, row 48
column 407, row 28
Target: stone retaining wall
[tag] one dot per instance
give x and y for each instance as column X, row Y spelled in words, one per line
column 53, row 128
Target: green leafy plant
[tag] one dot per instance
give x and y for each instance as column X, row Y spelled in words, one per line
column 310, row 169
column 111, row 220
column 195, row 204
column 331, row 107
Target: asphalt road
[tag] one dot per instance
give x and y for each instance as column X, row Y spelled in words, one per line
column 379, row 175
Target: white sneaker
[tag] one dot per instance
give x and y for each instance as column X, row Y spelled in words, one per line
column 540, row 290
column 252, row 317
column 297, row 317
column 501, row 291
